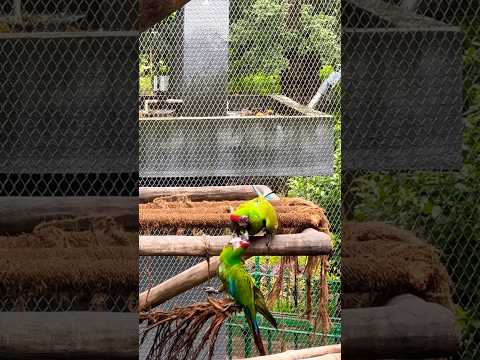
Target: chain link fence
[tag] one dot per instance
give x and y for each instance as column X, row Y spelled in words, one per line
column 410, row 111
column 229, row 95
column 69, row 127
column 69, row 117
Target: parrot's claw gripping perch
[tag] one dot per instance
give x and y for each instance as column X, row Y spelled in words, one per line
column 211, row 290
column 269, row 239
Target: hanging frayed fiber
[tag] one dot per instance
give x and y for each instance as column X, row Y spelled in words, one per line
column 316, row 267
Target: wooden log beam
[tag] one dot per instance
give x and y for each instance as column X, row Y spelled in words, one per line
column 310, row 353
column 68, row 335
column 22, row 214
column 178, row 284
column 407, row 327
column 308, row 242
column 204, row 193
column 336, row 356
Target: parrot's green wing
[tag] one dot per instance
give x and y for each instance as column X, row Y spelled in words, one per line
column 269, row 215
column 262, row 308
column 240, row 286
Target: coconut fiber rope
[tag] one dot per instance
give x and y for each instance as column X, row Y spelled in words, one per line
column 380, row 261
column 89, row 254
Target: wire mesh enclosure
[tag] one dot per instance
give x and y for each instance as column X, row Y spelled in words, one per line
column 298, row 304
column 70, row 111
column 415, row 169
column 225, row 87
column 245, row 92
column 69, row 127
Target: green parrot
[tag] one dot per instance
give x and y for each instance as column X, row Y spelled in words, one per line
column 254, row 217
column 239, row 284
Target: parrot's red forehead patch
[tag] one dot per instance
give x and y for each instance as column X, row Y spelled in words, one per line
column 234, row 218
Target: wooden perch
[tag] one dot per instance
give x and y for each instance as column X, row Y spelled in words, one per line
column 67, row 335
column 204, row 193
column 309, row 242
column 310, row 353
column 23, row 214
column 178, row 284
column 200, row 273
column 406, row 327
column 336, row 356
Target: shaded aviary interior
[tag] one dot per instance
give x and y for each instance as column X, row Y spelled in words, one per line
column 186, row 215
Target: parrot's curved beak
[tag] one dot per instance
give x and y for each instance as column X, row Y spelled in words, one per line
column 244, row 244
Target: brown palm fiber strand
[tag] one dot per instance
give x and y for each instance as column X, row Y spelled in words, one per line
column 380, row 261
column 322, row 318
column 178, row 331
column 310, row 269
column 277, row 288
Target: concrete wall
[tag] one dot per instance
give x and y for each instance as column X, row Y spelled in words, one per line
column 71, row 104
column 205, row 57
column 236, row 146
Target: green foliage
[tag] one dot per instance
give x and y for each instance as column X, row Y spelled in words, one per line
column 259, row 84
column 324, row 190
column 441, row 206
column 145, row 75
column 254, row 50
column 163, row 69
column 325, row 72
column 257, row 56
column 318, row 35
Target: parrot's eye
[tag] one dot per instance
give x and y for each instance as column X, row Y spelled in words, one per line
column 243, row 221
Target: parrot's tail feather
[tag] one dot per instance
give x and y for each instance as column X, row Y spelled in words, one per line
column 266, row 314
column 259, row 193
column 257, row 338
column 262, row 308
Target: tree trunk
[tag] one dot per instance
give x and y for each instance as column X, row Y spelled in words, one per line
column 294, row 9
column 154, row 11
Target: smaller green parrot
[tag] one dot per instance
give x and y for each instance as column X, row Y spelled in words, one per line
column 255, row 216
column 239, row 284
